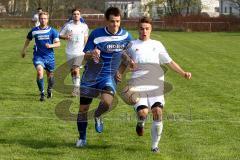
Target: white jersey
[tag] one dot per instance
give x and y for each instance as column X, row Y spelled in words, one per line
column 78, row 32
column 36, row 19
column 148, row 79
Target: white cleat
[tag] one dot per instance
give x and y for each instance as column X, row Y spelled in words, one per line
column 81, row 143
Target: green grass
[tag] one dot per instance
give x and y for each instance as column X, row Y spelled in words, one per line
column 202, row 116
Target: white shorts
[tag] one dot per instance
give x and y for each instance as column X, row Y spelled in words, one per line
column 149, row 100
column 148, row 95
column 74, row 60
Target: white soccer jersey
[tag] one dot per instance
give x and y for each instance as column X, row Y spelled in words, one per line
column 148, row 79
column 36, row 19
column 75, row 45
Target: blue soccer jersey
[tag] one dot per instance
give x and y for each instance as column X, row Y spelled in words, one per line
column 99, row 75
column 42, row 37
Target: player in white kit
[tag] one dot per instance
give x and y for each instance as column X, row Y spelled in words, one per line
column 76, row 34
column 148, row 79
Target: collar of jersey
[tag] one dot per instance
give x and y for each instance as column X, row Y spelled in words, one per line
column 118, row 32
column 43, row 28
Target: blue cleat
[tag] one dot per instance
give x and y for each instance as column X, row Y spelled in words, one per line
column 98, row 125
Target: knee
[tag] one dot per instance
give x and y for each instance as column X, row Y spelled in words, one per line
column 83, row 109
column 157, row 113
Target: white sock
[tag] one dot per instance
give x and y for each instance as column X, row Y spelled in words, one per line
column 76, row 81
column 77, row 84
column 157, row 127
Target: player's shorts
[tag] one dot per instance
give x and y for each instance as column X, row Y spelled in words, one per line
column 149, row 98
column 74, row 60
column 47, row 64
column 93, row 89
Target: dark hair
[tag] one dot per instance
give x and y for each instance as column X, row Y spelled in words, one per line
column 76, row 9
column 39, row 8
column 112, row 11
column 145, row 20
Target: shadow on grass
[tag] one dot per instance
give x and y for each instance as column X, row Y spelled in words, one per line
column 41, row 144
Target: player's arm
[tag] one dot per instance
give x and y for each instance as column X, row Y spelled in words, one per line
column 91, row 51
column 174, row 66
column 93, row 55
column 126, row 61
column 63, row 33
column 54, row 45
column 26, row 44
column 56, row 41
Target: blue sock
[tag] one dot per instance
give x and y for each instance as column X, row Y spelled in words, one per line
column 40, row 83
column 82, row 125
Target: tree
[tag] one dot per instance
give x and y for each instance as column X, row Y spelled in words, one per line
column 236, row 5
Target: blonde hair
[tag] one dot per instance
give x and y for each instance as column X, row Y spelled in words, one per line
column 43, row 13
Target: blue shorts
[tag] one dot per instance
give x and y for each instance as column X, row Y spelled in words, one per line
column 92, row 89
column 47, row 64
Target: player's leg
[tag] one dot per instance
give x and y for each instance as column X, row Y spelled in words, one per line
column 75, row 72
column 104, row 105
column 157, row 125
column 49, row 67
column 50, row 78
column 74, row 62
column 40, row 80
column 142, row 112
column 82, row 120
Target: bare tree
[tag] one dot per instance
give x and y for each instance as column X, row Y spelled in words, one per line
column 236, row 4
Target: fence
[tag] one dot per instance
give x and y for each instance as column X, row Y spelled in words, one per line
column 165, row 24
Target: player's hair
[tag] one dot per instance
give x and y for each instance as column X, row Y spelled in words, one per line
column 76, row 9
column 43, row 13
column 39, row 9
column 145, row 20
column 112, row 11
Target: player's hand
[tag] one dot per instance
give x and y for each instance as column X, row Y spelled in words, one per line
column 96, row 55
column 188, row 75
column 118, row 76
column 48, row 45
column 132, row 65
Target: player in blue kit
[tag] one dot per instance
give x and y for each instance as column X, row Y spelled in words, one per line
column 46, row 38
column 103, row 53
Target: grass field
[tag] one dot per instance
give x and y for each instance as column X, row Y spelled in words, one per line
column 202, row 116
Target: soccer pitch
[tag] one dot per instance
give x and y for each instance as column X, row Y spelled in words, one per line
column 201, row 117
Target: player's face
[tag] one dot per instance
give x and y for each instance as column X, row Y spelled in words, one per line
column 114, row 23
column 145, row 31
column 76, row 16
column 43, row 20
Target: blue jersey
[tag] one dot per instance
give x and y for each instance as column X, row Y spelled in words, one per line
column 42, row 37
column 111, row 47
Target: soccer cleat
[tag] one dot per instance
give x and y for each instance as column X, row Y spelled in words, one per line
column 42, row 97
column 155, row 150
column 49, row 94
column 98, row 125
column 81, row 143
column 140, row 128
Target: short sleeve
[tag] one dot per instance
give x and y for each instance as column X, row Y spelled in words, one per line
column 63, row 31
column 55, row 36
column 29, row 35
column 90, row 44
column 86, row 31
column 163, row 55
